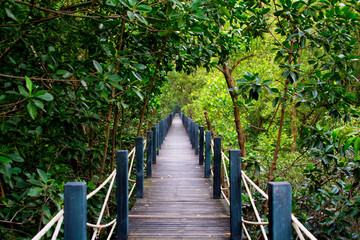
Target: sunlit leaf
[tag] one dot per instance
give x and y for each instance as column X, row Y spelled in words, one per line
column 29, row 84
column 98, row 66
column 10, row 14
column 32, row 110
column 35, row 192
column 4, row 159
column 43, row 175
column 143, row 8
column 47, row 97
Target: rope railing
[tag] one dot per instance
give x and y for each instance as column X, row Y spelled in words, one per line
column 299, row 228
column 247, row 183
column 58, row 219
column 158, row 135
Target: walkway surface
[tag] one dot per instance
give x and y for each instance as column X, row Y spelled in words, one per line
column 177, row 201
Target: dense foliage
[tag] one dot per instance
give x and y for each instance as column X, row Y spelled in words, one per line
column 81, row 79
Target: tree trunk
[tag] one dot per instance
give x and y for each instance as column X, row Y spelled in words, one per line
column 106, row 142
column 293, row 132
column 208, row 123
column 91, row 142
column 278, row 141
column 231, row 84
column 114, row 138
column 121, row 127
column 283, row 107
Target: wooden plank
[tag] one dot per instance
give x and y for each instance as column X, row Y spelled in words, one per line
column 177, row 201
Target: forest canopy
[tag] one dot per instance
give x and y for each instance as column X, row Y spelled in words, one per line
column 278, row 80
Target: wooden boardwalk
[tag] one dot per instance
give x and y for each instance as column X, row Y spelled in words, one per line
column 177, row 201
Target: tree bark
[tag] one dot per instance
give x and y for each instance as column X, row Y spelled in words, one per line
column 231, row 84
column 293, row 132
column 283, row 107
column 91, row 142
column 121, row 127
column 114, row 138
column 111, row 106
column 208, row 123
column 106, row 141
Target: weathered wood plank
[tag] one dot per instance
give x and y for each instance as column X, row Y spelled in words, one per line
column 177, row 201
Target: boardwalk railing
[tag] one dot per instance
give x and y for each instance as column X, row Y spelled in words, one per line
column 279, row 199
column 75, row 198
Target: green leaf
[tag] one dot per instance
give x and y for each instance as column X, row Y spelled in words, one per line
column 241, row 80
column 140, row 66
column 286, row 73
column 265, row 11
column 139, row 94
column 39, row 104
column 225, row 11
column 348, row 142
column 201, row 16
column 181, row 23
column 310, row 166
column 67, row 74
column 137, row 76
column 10, row 14
column 293, row 76
column 98, row 66
column 115, row 78
column 356, row 145
column 132, row 2
column 47, row 97
column 23, row 91
column 195, row 5
column 32, row 110
column 143, row 8
column 4, row 159
column 115, row 85
column 124, row 105
column 29, row 84
column 16, row 157
column 35, row 191
column 46, row 211
column 42, row 92
column 141, row 19
column 335, row 133
column 196, row 30
column 131, row 15
column 43, row 175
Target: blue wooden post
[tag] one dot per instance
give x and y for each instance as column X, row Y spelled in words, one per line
column 139, row 142
column 201, row 153
column 157, row 138
column 122, row 194
column 189, row 127
column 235, row 194
column 279, row 210
column 162, row 125
column 207, row 154
column 217, row 168
column 154, row 145
column 196, row 140
column 193, row 134
column 160, row 134
column 149, row 154
column 75, row 211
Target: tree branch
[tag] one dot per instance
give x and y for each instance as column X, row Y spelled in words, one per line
column 242, row 59
column 39, row 79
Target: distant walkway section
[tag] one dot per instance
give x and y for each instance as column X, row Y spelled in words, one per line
column 178, row 201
